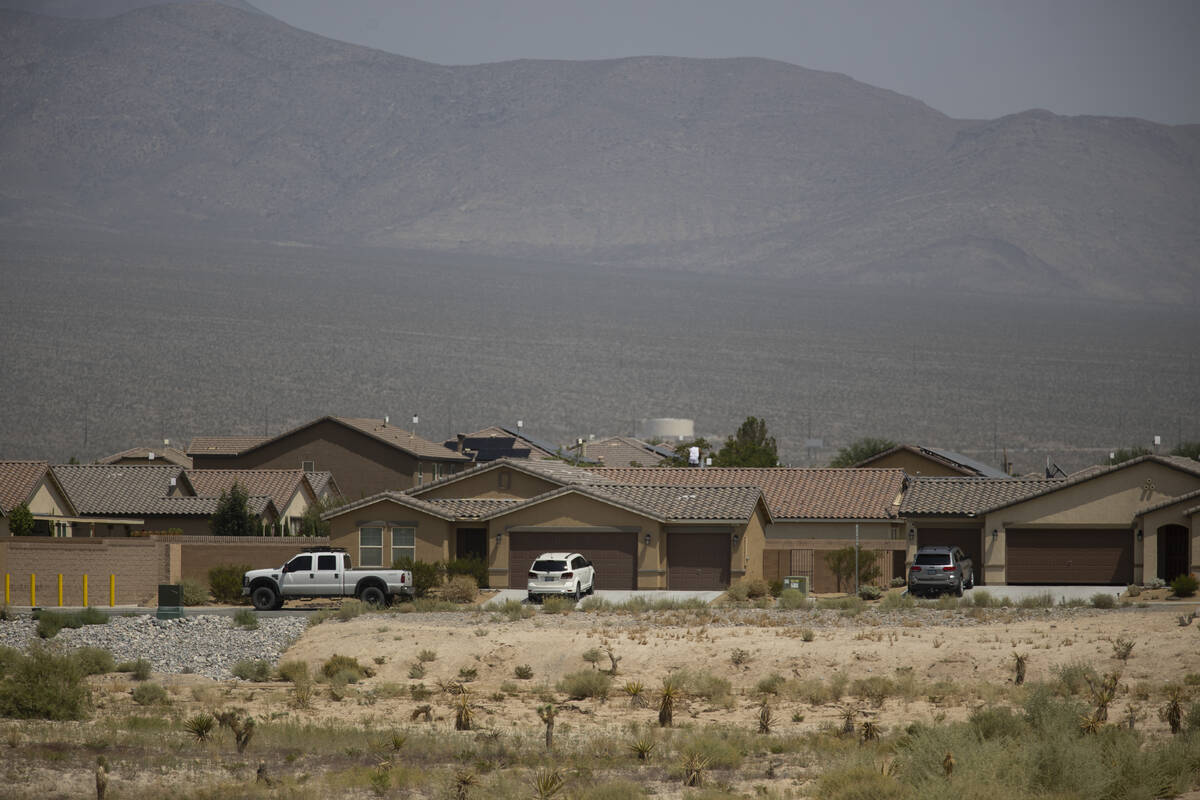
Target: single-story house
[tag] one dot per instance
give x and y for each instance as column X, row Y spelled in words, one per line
column 128, row 499
column 289, row 489
column 1114, row 525
column 366, row 456
column 33, row 484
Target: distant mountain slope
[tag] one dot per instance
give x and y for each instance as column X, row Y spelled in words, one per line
column 203, row 119
column 96, row 9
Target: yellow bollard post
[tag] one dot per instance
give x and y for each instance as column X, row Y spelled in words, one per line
column 112, row 590
column 7, row 587
column 32, row 590
column 85, row 602
column 60, row 590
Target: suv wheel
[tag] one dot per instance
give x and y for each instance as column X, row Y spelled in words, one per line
column 578, row 593
column 971, row 582
column 958, row 588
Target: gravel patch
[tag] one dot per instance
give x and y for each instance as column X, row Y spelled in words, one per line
column 205, row 645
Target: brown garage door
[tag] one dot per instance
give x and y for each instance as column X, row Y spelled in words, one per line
column 698, row 560
column 1070, row 556
column 613, row 554
column 965, row 538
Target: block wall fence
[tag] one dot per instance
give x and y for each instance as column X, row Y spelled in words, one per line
column 140, row 564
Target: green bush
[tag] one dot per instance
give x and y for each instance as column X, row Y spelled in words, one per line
column 704, row 684
column 748, row 589
column 94, row 660
column 426, row 576
column 770, row 684
column 869, row 592
column 792, row 599
column 513, row 610
column 477, row 568
column 557, row 605
column 246, row 619
column 139, row 670
column 225, row 580
column 585, row 683
column 1184, row 586
column 194, row 592
column 1103, row 600
column 1072, row 678
column 49, row 623
column 149, row 694
column 252, row 670
column 775, row 588
column 349, row 609
column 461, row 589
column 44, row 685
column 337, row 664
column 294, row 671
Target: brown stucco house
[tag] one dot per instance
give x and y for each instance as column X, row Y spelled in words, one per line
column 1106, row 526
column 289, row 489
column 931, row 461
column 130, row 499
column 34, row 484
column 509, row 511
column 149, row 455
column 366, row 456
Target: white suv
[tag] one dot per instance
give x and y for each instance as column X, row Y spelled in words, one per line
column 562, row 574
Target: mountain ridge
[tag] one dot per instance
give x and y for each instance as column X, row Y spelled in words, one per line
column 206, row 119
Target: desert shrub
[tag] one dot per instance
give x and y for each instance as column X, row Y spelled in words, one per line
column 294, row 671
column 1184, row 586
column 149, row 694
column 898, row 582
column 49, row 623
column 1043, row 600
column 704, row 684
column 557, row 605
column 585, row 683
column 245, row 619
column 723, row 748
column 476, row 568
column 416, row 671
column 1072, row 678
column 875, row 688
column 997, row 723
column 42, row 684
column 252, row 670
column 792, row 599
column 747, row 589
column 770, row 684
column 618, row 789
column 1191, row 719
column 427, row 655
column 94, row 660
column 594, row 603
column 426, row 576
column 1155, row 583
column 139, row 670
column 849, row 606
column 523, row 671
column 1133, row 590
column 194, row 592
column 340, row 665
column 1103, row 600
column 853, row 781
column 869, row 592
column 893, row 601
column 514, row 610
column 461, row 589
column 775, row 588
column 468, row 674
column 225, row 581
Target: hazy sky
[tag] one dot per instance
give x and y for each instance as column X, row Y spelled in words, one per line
column 967, row 58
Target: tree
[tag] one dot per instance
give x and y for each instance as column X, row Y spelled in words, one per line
column 841, row 564
column 1128, row 454
column 749, row 447
column 860, row 450
column 20, row 521
column 233, row 517
column 1187, row 450
column 311, row 523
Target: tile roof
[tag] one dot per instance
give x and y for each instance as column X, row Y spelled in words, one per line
column 1174, row 462
column 790, row 492
column 473, row 508
column 18, row 479
column 623, row 451
column 559, row 472
column 400, row 498
column 936, row 496
column 948, row 458
column 978, row 467
column 1170, row 501
column 398, row 437
column 167, row 455
column 688, row 503
column 224, row 445
column 137, row 490
column 280, row 485
column 322, row 482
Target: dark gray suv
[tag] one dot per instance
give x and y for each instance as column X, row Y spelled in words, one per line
column 940, row 569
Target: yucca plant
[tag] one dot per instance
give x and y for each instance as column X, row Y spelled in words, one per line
column 1122, row 648
column 637, row 693
column 848, row 717
column 764, row 717
column 1172, row 712
column 547, row 783
column 546, row 713
column 643, row 747
column 463, row 781
column 694, row 765
column 200, row 726
column 1091, row 723
column 870, row 731
column 463, row 712
column 666, row 702
column 1019, row 660
column 1103, row 692
column 240, row 724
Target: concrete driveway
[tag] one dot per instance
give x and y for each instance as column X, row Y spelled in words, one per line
column 616, row 596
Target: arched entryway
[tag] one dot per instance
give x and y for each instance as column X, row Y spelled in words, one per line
column 1173, row 556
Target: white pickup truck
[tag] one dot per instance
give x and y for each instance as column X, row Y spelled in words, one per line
column 324, row 572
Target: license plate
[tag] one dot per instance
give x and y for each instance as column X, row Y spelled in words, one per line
column 932, row 571
column 549, row 579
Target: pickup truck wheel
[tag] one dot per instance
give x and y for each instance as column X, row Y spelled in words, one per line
column 373, row 596
column 264, row 598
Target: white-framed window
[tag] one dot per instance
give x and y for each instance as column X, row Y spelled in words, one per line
column 404, row 543
column 370, row 547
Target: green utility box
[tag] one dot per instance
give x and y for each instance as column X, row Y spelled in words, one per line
column 799, row 582
column 170, row 601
